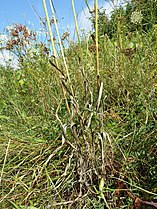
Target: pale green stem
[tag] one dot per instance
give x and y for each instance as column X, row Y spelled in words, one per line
column 97, row 44
column 50, row 31
column 86, row 2
column 60, row 44
column 54, row 50
column 5, row 159
column 75, row 19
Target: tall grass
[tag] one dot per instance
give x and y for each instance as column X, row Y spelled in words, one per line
column 81, row 132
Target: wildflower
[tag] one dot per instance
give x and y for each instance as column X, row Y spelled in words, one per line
column 14, row 33
column 9, row 45
column 136, row 17
column 65, row 35
column 3, row 38
column 52, row 21
column 10, row 28
column 20, row 27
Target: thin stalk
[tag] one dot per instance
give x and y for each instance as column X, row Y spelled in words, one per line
column 61, row 46
column 75, row 19
column 97, row 44
column 50, row 32
column 81, row 56
column 5, row 159
column 86, row 2
column 121, row 63
column 54, row 51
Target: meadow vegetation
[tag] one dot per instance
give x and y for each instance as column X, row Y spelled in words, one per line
column 78, row 129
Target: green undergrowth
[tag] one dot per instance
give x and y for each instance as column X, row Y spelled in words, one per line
column 52, row 158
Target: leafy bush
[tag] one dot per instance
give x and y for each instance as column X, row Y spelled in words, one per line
column 131, row 15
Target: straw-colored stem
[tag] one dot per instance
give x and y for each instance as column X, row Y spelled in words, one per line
column 61, row 46
column 80, row 49
column 75, row 19
column 7, row 150
column 97, row 45
column 54, row 50
column 50, row 32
